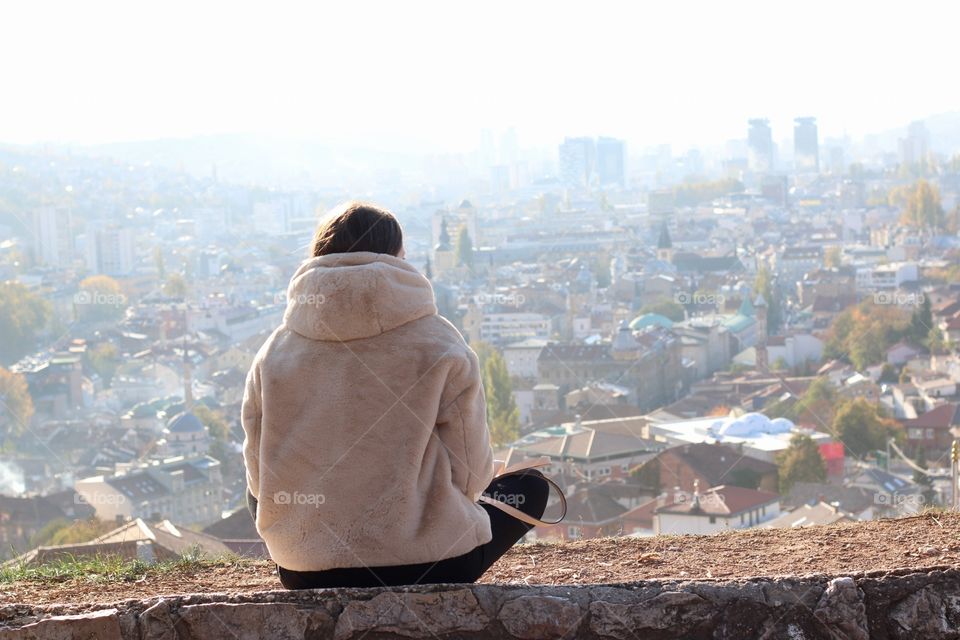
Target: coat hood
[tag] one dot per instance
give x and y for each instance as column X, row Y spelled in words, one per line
column 346, row 296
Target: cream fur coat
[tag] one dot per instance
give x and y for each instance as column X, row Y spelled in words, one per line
column 366, row 437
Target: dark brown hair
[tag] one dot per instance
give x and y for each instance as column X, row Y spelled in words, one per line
column 358, row 226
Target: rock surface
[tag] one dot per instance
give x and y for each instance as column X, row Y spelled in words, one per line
column 904, row 604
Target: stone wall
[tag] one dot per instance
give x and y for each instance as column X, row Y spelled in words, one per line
column 895, row 605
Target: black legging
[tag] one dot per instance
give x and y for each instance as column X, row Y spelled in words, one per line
column 468, row 567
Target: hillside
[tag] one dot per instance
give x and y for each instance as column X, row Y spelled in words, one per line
column 922, row 542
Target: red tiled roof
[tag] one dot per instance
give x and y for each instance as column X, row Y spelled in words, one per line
column 722, row 501
column 941, row 417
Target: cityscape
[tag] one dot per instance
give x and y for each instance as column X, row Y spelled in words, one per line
column 753, row 335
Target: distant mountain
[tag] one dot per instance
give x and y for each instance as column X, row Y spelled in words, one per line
column 944, row 129
column 259, row 159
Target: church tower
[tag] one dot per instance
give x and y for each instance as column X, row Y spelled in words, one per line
column 664, row 245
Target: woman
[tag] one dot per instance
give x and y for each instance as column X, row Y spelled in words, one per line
column 366, row 447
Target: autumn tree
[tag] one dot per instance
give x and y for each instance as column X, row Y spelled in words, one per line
column 175, row 286
column 800, row 462
column 502, row 413
column 23, row 314
column 861, row 334
column 104, row 360
column 920, row 205
column 862, row 427
column 99, row 298
column 16, row 405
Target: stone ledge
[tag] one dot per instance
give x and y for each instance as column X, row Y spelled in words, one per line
column 896, row 605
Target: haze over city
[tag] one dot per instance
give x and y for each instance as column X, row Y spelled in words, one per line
column 429, row 76
column 699, row 261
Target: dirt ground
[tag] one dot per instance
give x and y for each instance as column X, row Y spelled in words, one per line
column 922, row 541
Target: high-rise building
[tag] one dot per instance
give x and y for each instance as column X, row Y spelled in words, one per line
column 913, row 148
column 110, row 250
column 610, row 162
column 52, row 236
column 760, row 145
column 577, row 157
column 806, row 146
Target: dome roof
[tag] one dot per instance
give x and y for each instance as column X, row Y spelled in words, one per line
column 751, row 425
column 185, row 422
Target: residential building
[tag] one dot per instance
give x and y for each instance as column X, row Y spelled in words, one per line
column 717, row 509
column 706, row 465
column 187, row 490
column 806, row 515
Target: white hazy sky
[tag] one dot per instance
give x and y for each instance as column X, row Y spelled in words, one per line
column 434, row 73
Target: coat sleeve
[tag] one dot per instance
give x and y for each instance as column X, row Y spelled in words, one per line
column 462, row 428
column 251, row 416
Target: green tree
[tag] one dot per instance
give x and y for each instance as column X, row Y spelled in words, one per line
column 800, row 462
column 832, row 257
column 921, row 320
column 924, row 481
column 104, row 360
column 483, row 351
column 23, row 314
column 935, row 341
column 213, row 420
column 765, row 286
column 888, row 373
column 747, row 478
column 952, row 222
column 502, row 413
column 862, row 427
column 159, row 263
column 666, row 308
column 816, row 405
column 16, row 405
column 63, row 531
column 464, row 253
column 175, row 286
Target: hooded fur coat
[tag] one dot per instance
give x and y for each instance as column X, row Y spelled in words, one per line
column 366, row 436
